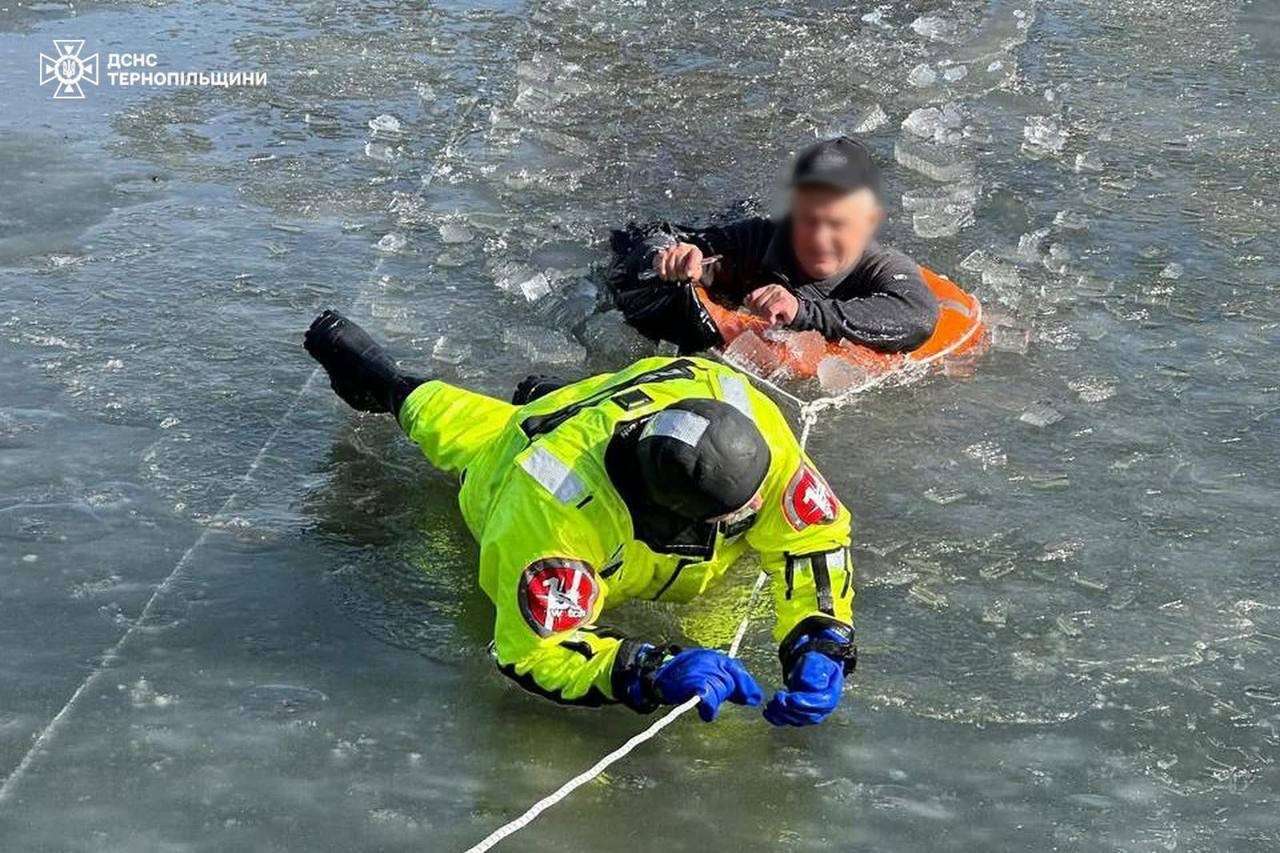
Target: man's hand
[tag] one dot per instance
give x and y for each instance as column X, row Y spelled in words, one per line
column 681, row 262
column 773, row 302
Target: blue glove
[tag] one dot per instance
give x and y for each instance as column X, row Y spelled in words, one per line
column 815, row 668
column 712, row 676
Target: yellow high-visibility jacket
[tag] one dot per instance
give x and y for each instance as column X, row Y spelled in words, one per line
column 558, row 545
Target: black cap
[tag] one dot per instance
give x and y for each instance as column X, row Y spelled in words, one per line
column 843, row 163
column 702, row 458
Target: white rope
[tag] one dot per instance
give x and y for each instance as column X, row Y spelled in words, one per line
column 618, row 754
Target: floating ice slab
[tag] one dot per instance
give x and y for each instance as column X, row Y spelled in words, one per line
column 391, row 243
column 922, row 76
column 939, row 162
column 1042, row 136
column 450, row 350
column 935, row 27
column 753, row 354
column 543, row 346
column 384, row 124
column 838, row 376
column 1040, row 415
column 872, row 119
column 939, row 124
column 456, row 232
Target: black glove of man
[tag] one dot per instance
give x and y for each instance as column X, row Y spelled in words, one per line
column 360, row 370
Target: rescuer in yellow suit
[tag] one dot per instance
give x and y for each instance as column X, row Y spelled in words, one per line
column 646, row 483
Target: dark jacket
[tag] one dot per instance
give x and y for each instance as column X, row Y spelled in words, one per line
column 882, row 302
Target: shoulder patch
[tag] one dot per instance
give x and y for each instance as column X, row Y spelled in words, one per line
column 808, row 499
column 557, row 594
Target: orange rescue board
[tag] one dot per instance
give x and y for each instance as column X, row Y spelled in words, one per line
column 959, row 330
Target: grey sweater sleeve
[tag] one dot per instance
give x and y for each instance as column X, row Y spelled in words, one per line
column 883, row 303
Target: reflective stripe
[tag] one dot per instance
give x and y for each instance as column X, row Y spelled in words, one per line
column 552, row 474
column 735, row 393
column 679, row 424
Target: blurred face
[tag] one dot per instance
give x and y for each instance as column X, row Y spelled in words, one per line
column 830, row 227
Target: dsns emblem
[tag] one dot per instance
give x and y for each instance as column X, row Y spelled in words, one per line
column 557, row 595
column 809, row 500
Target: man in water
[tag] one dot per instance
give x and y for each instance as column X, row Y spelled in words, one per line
column 818, row 268
column 648, row 483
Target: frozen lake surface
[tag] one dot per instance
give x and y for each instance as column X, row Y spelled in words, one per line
column 1068, row 610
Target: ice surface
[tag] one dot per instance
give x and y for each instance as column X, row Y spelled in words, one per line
column 1164, row 714
column 609, row 337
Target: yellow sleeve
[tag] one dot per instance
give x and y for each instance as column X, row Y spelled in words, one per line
column 547, row 597
column 802, row 536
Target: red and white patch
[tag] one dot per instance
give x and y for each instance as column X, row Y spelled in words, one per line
column 809, row 500
column 557, row 594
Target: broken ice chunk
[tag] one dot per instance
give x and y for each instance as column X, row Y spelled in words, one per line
column 1029, row 246
column 1040, row 414
column 840, row 376
column 751, row 353
column 455, row 232
column 1071, row 220
column 384, row 124
column 935, row 27
column 941, row 163
column 922, row 76
column 1011, row 338
column 543, row 346
column 941, row 215
column 1042, row 136
column 450, row 350
column 940, row 124
column 1068, row 627
column 1088, row 162
column 391, row 243
column 872, row 119
column 805, row 347
column 523, row 281
column 927, row 597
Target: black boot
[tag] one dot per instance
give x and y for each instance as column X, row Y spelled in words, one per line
column 360, row 370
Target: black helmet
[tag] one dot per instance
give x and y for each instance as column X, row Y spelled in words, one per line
column 701, row 458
